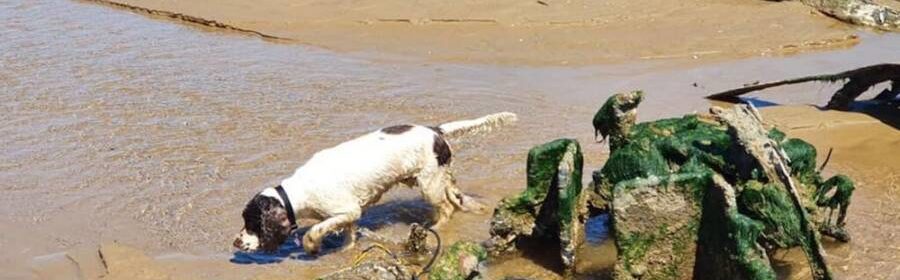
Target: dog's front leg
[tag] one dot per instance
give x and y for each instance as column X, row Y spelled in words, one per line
column 349, row 236
column 312, row 240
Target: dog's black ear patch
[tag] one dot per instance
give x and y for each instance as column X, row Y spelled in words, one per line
column 265, row 217
column 441, row 150
column 397, row 129
column 253, row 212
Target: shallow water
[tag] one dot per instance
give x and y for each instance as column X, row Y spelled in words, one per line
column 120, row 127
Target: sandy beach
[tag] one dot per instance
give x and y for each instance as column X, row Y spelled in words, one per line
column 130, row 143
column 551, row 32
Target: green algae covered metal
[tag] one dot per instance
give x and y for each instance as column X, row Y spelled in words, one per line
column 552, row 206
column 615, row 117
column 704, row 196
column 657, row 240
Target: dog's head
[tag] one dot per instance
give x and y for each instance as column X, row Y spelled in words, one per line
column 266, row 225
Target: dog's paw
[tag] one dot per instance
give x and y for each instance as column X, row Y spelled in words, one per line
column 470, row 204
column 310, row 246
column 436, row 226
column 347, row 247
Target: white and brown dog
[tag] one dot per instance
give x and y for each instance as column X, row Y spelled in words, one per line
column 338, row 183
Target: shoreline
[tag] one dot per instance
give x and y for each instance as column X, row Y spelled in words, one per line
column 700, row 31
column 188, row 19
column 866, row 165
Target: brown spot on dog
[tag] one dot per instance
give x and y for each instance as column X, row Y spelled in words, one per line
column 397, row 129
column 441, row 150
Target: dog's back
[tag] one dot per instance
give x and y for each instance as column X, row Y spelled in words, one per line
column 338, row 183
column 357, row 172
column 364, row 167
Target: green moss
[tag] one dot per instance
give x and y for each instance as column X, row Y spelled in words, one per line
column 569, row 194
column 636, row 160
column 777, row 135
column 771, row 205
column 690, row 150
column 744, row 232
column 662, row 147
column 843, row 186
column 615, row 118
column 727, row 247
column 803, row 160
column 543, row 161
column 550, row 207
column 638, row 235
column 447, row 266
column 634, row 246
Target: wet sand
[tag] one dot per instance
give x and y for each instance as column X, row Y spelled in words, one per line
column 866, row 146
column 143, row 139
column 537, row 32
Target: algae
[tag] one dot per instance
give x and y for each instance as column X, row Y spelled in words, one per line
column 460, row 261
column 552, row 206
column 738, row 177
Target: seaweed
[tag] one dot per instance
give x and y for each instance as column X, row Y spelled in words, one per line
column 732, row 180
column 552, row 206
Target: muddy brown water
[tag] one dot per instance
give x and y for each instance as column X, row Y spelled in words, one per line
column 119, row 127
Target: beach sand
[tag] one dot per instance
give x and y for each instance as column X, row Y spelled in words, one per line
column 129, row 146
column 533, row 32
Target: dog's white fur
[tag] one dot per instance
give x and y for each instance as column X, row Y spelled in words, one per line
column 338, row 183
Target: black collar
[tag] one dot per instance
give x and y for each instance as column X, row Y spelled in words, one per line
column 287, row 206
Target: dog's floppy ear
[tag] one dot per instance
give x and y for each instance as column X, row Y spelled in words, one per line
column 267, row 218
column 275, row 227
column 276, row 219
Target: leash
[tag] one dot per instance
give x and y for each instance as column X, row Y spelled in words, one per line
column 287, row 206
column 437, row 252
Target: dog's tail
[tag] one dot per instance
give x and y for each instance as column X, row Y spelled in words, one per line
column 477, row 126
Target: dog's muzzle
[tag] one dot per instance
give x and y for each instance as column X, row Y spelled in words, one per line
column 238, row 243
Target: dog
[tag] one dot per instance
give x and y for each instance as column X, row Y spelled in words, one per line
column 338, row 183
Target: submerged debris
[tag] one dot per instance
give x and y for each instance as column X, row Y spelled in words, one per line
column 711, row 196
column 857, row 82
column 377, row 262
column 552, row 207
column 840, row 199
column 656, row 224
column 766, row 156
column 463, row 260
column 372, row 265
column 616, row 117
column 704, row 196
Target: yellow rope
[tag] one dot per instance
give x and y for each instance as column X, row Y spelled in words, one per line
column 359, row 257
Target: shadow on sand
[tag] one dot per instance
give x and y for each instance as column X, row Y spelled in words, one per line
column 379, row 216
column 886, row 112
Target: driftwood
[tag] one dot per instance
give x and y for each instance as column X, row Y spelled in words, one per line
column 859, row 12
column 858, row 81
